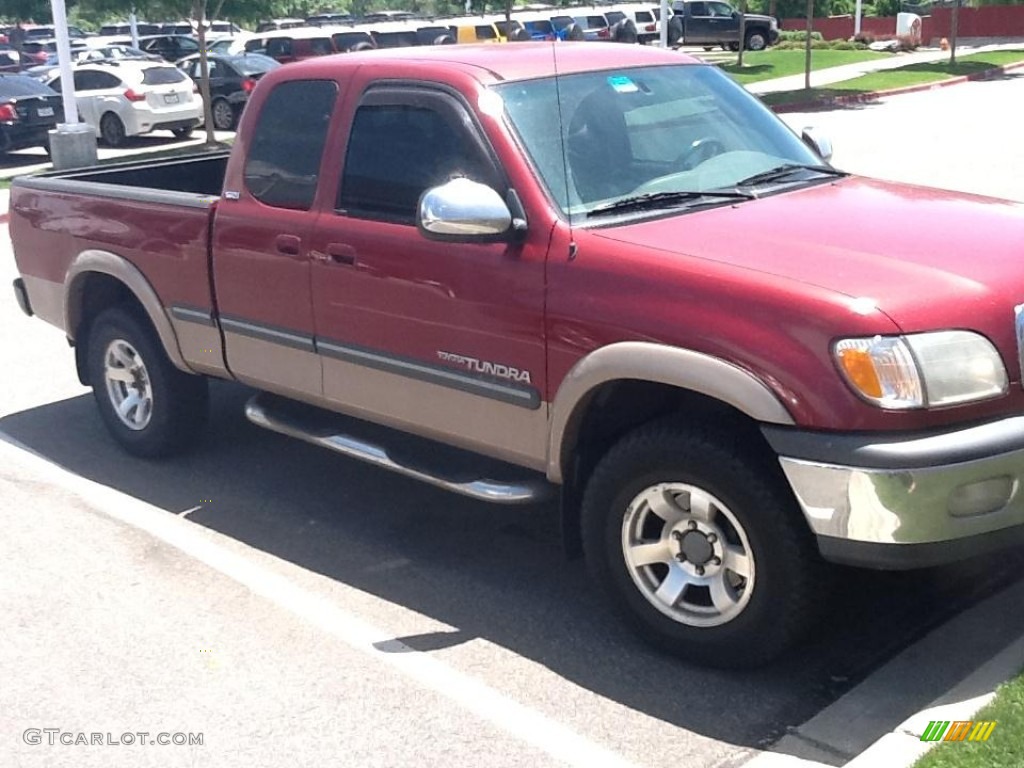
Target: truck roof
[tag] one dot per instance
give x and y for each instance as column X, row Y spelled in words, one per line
column 518, row 61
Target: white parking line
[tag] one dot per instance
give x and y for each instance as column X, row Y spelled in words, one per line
column 520, row 721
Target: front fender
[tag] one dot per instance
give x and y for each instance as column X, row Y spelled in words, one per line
column 646, row 361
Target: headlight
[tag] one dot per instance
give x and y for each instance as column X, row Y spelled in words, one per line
column 773, row 22
column 922, row 370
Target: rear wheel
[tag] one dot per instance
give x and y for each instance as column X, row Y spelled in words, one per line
column 149, row 406
column 182, row 133
column 223, row 115
column 700, row 546
column 112, row 130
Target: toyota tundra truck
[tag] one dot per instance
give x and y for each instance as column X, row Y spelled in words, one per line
column 603, row 273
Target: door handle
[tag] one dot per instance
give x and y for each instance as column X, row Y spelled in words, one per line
column 341, row 253
column 288, row 244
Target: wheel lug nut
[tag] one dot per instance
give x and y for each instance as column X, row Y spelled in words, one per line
column 712, row 538
column 677, row 535
column 681, row 557
column 700, row 570
column 692, row 525
column 716, row 561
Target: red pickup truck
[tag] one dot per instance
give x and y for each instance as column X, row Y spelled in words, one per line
column 608, row 271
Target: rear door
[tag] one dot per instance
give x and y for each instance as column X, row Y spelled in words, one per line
column 261, row 242
column 441, row 339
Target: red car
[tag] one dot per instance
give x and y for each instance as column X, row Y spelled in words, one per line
column 606, row 271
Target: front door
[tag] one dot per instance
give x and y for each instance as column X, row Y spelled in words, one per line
column 442, row 339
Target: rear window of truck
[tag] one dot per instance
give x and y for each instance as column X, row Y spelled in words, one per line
column 284, row 161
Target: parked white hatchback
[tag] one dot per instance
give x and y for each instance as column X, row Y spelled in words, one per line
column 129, row 98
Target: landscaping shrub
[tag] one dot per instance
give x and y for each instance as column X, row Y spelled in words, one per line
column 821, row 45
column 793, row 35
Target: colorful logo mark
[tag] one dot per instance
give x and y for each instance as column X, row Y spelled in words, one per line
column 958, row 730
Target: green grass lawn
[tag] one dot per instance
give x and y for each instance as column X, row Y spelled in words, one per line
column 912, row 74
column 1005, row 747
column 766, row 65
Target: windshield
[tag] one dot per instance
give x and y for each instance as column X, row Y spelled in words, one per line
column 645, row 131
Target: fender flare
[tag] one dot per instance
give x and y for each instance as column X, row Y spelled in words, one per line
column 94, row 261
column 646, row 361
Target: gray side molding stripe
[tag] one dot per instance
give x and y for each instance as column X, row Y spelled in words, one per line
column 268, row 333
column 192, row 315
column 646, row 361
column 525, row 397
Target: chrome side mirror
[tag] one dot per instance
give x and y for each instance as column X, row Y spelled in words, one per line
column 463, row 209
column 817, row 141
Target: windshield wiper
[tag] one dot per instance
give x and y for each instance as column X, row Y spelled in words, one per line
column 656, row 200
column 782, row 172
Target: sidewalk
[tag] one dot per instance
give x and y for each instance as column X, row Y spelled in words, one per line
column 850, row 71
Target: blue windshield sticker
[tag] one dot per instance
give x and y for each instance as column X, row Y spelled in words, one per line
column 622, row 84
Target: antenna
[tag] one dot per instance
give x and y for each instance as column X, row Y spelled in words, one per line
column 562, row 132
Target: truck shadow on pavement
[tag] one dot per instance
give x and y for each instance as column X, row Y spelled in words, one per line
column 496, row 573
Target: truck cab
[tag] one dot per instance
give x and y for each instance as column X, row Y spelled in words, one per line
column 713, row 22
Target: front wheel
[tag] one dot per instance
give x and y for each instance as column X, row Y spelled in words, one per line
column 149, row 406
column 756, row 41
column 223, row 115
column 700, row 546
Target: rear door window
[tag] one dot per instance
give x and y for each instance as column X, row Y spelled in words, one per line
column 283, row 165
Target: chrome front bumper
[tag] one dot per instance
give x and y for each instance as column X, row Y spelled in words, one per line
column 902, row 501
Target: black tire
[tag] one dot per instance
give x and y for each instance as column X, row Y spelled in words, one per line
column 112, row 130
column 675, row 30
column 756, row 40
column 224, row 116
column 444, row 40
column 709, row 47
column 625, row 32
column 363, row 46
column 575, row 33
column 734, row 47
column 177, row 401
column 521, row 36
column 785, row 580
column 183, row 133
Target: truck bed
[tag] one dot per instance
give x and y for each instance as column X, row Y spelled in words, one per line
column 153, row 215
column 194, row 174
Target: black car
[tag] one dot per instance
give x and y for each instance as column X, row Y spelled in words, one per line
column 232, row 79
column 28, row 111
column 169, row 47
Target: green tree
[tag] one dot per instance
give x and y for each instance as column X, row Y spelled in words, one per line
column 197, row 12
column 37, row 11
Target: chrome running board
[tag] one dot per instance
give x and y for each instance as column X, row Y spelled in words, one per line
column 314, row 425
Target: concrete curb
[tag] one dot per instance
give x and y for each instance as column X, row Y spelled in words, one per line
column 903, row 746
column 880, row 721
column 860, row 98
